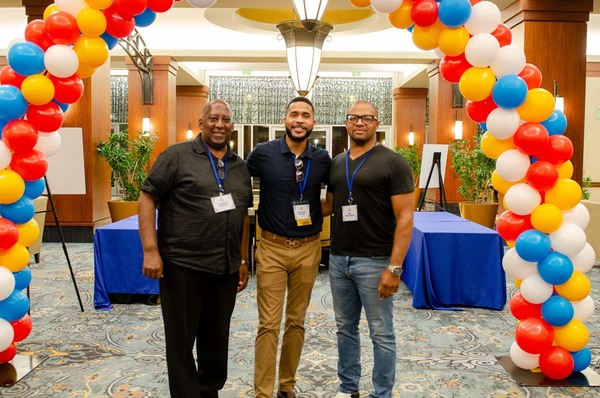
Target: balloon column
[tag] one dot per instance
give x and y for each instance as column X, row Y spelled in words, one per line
column 545, row 221
column 43, row 77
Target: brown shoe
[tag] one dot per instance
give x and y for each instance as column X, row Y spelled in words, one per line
column 286, row 394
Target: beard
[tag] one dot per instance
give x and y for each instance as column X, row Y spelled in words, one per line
column 292, row 137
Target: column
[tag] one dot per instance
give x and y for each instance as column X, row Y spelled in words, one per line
column 190, row 100
column 410, row 108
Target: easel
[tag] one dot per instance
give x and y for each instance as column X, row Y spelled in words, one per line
column 437, row 161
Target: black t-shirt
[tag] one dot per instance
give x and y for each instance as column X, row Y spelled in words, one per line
column 383, row 174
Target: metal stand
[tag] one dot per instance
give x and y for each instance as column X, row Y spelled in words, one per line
column 437, row 161
column 523, row 377
column 19, row 367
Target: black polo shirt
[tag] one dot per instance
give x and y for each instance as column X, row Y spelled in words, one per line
column 190, row 233
column 273, row 162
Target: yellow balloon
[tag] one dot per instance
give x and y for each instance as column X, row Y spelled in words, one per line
column 476, row 84
column 51, row 9
column 538, row 105
column 12, row 187
column 427, row 38
column 16, row 258
column 37, row 89
column 28, row 232
column 517, row 281
column 91, row 22
column 500, row 184
column 546, row 218
column 85, row 71
column 99, row 4
column 361, row 3
column 565, row 194
column 400, row 18
column 91, row 51
column 452, row 42
column 565, row 170
column 576, row 288
column 493, row 147
column 574, row 336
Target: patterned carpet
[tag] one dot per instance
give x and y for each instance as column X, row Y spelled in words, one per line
column 119, row 353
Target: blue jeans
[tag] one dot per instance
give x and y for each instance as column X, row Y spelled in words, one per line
column 354, row 284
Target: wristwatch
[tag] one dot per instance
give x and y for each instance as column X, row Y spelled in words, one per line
column 395, row 269
column 243, row 261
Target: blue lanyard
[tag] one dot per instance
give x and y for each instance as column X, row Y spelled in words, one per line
column 302, row 185
column 349, row 180
column 214, row 169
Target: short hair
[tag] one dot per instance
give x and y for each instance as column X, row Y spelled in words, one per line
column 300, row 99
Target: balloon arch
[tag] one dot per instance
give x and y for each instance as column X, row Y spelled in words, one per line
column 544, row 224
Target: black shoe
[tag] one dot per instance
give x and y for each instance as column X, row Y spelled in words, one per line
column 346, row 395
column 286, row 394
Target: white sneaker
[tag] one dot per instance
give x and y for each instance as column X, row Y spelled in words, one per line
column 346, row 395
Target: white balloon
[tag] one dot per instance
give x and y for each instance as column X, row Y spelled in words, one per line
column 48, row 143
column 485, row 18
column 522, row 199
column 584, row 260
column 510, row 61
column 482, row 49
column 439, row 53
column 516, row 267
column 385, row 6
column 512, row 165
column 578, row 215
column 7, row 334
column 583, row 310
column 201, row 3
column 535, row 290
column 5, row 155
column 61, row 60
column 73, row 7
column 7, row 283
column 15, row 41
column 568, row 239
column 523, row 359
column 503, row 123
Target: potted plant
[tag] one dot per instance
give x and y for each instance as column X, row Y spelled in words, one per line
column 412, row 154
column 128, row 159
column 474, row 170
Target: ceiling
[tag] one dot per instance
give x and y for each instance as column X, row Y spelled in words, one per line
column 239, row 36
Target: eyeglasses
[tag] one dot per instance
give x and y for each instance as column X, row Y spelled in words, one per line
column 221, row 169
column 366, row 119
column 298, row 164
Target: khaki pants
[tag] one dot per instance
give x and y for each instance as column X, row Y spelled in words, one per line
column 280, row 268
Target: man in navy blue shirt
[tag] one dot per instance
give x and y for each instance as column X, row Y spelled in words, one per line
column 291, row 173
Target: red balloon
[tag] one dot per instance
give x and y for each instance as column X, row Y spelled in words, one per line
column 9, row 76
column 531, row 138
column 160, row 5
column 478, row 111
column 9, row 234
column 542, row 175
column 36, row 32
column 22, row 328
column 473, row 2
column 510, row 225
column 8, row 354
column 503, row 34
column 452, row 68
column 67, row 90
column 424, row 12
column 523, row 309
column 556, row 363
column 19, row 135
column 62, row 28
column 534, row 335
column 118, row 25
column 30, row 165
column 558, row 150
column 130, row 8
column 46, row 118
column 532, row 76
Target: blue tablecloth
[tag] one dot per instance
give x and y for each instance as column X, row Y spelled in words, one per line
column 453, row 262
column 118, row 259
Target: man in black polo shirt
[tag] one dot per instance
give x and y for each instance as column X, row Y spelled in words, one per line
column 291, row 172
column 202, row 191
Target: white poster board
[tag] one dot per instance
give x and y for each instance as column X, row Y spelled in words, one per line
column 66, row 172
column 427, row 163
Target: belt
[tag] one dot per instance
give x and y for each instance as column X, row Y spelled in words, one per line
column 287, row 242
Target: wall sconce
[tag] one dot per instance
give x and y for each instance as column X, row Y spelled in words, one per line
column 146, row 122
column 411, row 136
column 458, row 128
column 189, row 134
column 231, row 144
column 559, row 102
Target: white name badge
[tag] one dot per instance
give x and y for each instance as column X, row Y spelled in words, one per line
column 349, row 213
column 302, row 214
column 222, row 203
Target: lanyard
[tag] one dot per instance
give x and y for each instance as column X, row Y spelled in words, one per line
column 349, row 180
column 214, row 169
column 302, row 184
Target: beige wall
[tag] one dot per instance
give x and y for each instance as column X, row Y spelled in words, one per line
column 591, row 160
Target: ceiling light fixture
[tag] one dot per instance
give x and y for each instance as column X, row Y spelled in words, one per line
column 310, row 11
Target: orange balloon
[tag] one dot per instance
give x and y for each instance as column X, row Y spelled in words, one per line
column 452, row 42
column 538, row 105
column 565, row 194
column 361, row 3
column 476, row 83
column 565, row 170
column 576, row 288
column 426, row 38
column 51, row 9
column 400, row 18
column 493, row 147
column 85, row 71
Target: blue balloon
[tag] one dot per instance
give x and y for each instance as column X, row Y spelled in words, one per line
column 35, row 188
column 556, row 123
column 557, row 311
column 509, row 91
column 62, row 106
column 26, row 58
column 483, row 126
column 410, row 28
column 454, row 13
column 532, row 245
column 12, row 103
column 145, row 19
column 111, row 41
column 19, row 212
column 22, row 278
column 582, row 359
column 555, row 268
column 14, row 307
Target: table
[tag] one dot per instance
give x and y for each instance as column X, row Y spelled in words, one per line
column 118, row 258
column 453, row 262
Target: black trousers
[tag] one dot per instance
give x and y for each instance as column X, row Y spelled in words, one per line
column 196, row 308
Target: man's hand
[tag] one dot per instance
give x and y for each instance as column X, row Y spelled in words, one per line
column 153, row 265
column 243, row 282
column 388, row 284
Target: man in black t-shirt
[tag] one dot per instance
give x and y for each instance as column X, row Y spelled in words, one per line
column 371, row 228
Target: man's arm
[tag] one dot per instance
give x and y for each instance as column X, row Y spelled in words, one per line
column 153, row 265
column 243, row 282
column 327, row 204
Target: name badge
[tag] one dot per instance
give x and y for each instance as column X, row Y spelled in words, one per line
column 222, row 203
column 302, row 213
column 349, row 213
